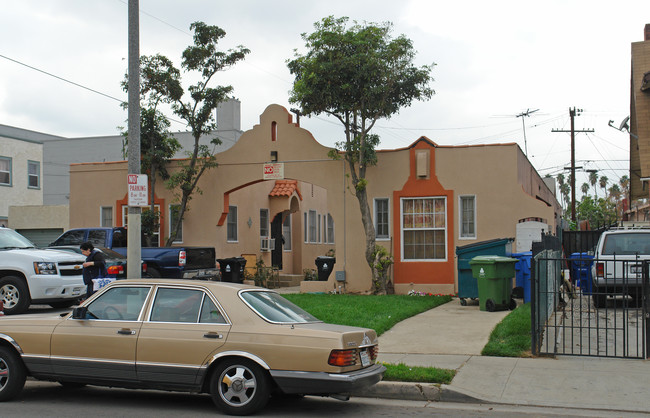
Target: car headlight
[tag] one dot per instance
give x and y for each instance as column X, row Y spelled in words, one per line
column 44, row 267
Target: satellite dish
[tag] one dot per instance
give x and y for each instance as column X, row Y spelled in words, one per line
column 624, row 125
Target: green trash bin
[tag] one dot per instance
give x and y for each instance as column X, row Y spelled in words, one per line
column 494, row 276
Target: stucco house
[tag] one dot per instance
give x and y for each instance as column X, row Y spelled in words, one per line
column 427, row 200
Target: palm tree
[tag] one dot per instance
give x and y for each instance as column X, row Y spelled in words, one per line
column 603, row 183
column 565, row 190
column 584, row 188
column 593, row 179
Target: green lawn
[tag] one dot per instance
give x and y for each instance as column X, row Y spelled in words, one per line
column 379, row 312
column 511, row 337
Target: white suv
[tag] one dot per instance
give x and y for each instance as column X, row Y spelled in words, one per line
column 618, row 264
column 32, row 276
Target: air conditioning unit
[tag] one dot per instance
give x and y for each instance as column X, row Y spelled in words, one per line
column 267, row 244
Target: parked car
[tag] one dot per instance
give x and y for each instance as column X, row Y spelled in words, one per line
column 115, row 262
column 32, row 276
column 618, row 264
column 167, row 262
column 238, row 343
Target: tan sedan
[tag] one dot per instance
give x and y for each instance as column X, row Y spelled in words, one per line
column 239, row 343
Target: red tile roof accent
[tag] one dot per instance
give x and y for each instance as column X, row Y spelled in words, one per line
column 285, row 188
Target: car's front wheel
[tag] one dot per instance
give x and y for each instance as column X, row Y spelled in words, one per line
column 14, row 294
column 12, row 374
column 240, row 387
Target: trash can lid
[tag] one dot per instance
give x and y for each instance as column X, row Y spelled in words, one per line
column 491, row 259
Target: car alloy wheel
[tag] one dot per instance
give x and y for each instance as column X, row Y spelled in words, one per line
column 12, row 374
column 14, row 295
column 239, row 387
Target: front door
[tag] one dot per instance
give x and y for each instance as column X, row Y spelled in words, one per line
column 276, row 232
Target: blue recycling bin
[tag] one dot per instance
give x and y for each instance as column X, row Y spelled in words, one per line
column 522, row 273
column 581, row 271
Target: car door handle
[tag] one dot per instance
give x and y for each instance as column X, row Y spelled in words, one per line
column 213, row 335
column 126, row 332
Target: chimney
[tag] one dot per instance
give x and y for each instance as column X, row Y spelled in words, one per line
column 647, row 32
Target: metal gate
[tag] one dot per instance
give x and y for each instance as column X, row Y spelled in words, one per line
column 566, row 321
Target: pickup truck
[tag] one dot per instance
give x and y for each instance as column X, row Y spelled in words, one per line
column 166, row 262
column 32, row 276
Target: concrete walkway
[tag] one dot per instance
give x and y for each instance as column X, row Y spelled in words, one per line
column 452, row 336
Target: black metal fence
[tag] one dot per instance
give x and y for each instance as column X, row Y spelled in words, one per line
column 569, row 316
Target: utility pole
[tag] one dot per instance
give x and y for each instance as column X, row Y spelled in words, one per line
column 573, row 113
column 134, row 243
column 521, row 115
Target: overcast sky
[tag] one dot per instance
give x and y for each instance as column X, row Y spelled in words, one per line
column 494, row 60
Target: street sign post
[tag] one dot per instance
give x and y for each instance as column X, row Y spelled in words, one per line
column 138, row 190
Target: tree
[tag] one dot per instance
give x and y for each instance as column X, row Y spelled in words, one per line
column 593, row 179
column 597, row 212
column 161, row 80
column 603, row 183
column 358, row 75
column 584, row 188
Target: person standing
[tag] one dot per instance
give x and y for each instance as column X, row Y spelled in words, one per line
column 94, row 266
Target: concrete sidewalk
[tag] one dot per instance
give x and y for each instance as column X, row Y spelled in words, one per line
column 452, row 336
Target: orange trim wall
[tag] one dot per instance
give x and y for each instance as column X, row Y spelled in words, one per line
column 423, row 272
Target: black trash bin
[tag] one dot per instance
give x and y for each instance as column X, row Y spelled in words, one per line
column 232, row 269
column 325, row 265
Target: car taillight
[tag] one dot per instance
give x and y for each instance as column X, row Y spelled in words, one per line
column 182, row 258
column 600, row 269
column 144, row 267
column 117, row 269
column 343, row 358
column 373, row 352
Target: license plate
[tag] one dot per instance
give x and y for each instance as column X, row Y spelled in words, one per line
column 76, row 291
column 365, row 358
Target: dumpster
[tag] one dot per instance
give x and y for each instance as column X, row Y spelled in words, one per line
column 581, row 271
column 325, row 265
column 467, row 284
column 522, row 275
column 494, row 276
column 232, row 269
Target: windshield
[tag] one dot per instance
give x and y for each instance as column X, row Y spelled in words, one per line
column 11, row 239
column 627, row 244
column 274, row 308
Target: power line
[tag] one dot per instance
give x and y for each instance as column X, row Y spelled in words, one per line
column 61, row 78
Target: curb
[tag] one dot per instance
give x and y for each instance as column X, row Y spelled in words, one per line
column 415, row 391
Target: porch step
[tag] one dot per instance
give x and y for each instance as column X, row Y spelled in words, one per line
column 288, row 280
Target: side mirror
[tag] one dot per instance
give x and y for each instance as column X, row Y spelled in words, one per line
column 79, row 312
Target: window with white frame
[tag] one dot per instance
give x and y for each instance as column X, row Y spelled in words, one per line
column 5, row 171
column 313, row 227
column 174, row 214
column 286, row 232
column 264, row 223
column 330, row 229
column 106, row 215
column 424, row 226
column 381, row 218
column 232, row 224
column 33, row 175
column 318, row 238
column 305, row 226
column 467, row 216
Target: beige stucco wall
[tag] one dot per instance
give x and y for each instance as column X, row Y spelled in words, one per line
column 39, row 217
